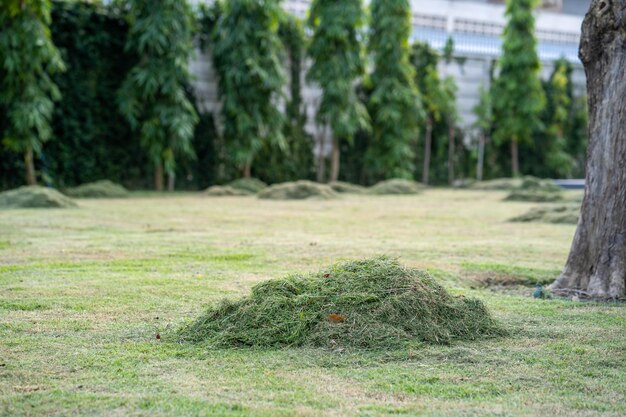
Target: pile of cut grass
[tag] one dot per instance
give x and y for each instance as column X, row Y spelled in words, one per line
column 34, row 197
column 249, row 185
column 225, row 191
column 98, row 189
column 347, row 188
column 561, row 214
column 535, row 196
column 510, row 184
column 396, row 186
column 299, row 190
column 374, row 303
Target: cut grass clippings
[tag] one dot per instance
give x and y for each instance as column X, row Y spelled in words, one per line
column 34, row 197
column 98, row 189
column 298, row 190
column 396, row 187
column 374, row 303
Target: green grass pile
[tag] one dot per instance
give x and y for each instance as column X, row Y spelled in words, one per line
column 374, row 303
column 396, row 186
column 249, row 185
column 561, row 214
column 347, row 188
column 34, row 197
column 225, row 191
column 98, row 189
column 535, row 196
column 299, row 190
column 498, row 184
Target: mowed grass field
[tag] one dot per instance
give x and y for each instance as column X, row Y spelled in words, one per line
column 84, row 292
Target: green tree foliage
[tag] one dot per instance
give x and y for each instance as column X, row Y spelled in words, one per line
column 518, row 97
column 153, row 95
column 335, row 49
column 484, row 127
column 247, row 58
column 295, row 160
column 394, row 103
column 28, row 59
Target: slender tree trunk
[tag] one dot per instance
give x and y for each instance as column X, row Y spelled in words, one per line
column 321, row 159
column 514, row 158
column 171, row 181
column 29, row 161
column 335, row 161
column 427, row 149
column 451, row 151
column 247, row 169
column 596, row 267
column 158, row 176
column 481, row 157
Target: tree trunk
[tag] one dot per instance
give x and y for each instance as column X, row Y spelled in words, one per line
column 335, row 162
column 596, row 267
column 29, row 161
column 427, row 147
column 451, row 138
column 247, row 169
column 481, row 157
column 158, row 176
column 514, row 158
column 321, row 159
column 171, row 181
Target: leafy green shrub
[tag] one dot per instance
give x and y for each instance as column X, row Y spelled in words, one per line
column 563, row 214
column 396, row 186
column 98, row 189
column 34, row 197
column 373, row 303
column 299, row 190
column 249, row 185
column 347, row 188
column 225, row 191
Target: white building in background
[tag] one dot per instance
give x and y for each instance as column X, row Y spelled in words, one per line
column 474, row 25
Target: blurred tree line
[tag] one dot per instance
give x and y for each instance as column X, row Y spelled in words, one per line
column 125, row 109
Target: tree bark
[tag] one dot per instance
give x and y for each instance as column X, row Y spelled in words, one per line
column 596, row 267
column 428, row 140
column 514, row 158
column 321, row 159
column 481, row 157
column 451, row 138
column 171, row 182
column 335, row 162
column 158, row 176
column 247, row 170
column 29, row 162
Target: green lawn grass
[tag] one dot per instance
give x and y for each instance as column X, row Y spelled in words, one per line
column 83, row 293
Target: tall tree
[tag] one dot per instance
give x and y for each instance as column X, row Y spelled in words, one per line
column 153, row 97
column 596, row 266
column 425, row 60
column 394, row 103
column 247, row 58
column 337, row 63
column 28, row 58
column 452, row 118
column 518, row 97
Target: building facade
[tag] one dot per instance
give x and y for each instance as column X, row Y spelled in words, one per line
column 474, row 25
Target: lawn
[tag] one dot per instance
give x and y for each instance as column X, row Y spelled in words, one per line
column 84, row 293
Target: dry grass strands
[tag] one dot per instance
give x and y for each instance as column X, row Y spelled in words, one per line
column 396, row 186
column 299, row 190
column 373, row 304
column 347, row 188
column 98, row 189
column 34, row 197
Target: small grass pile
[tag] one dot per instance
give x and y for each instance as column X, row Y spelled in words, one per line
column 536, row 190
column 225, row 191
column 249, row 185
column 299, row 190
column 347, row 188
column 558, row 214
column 396, row 186
column 98, row 189
column 373, row 303
column 34, row 197
column 510, row 184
